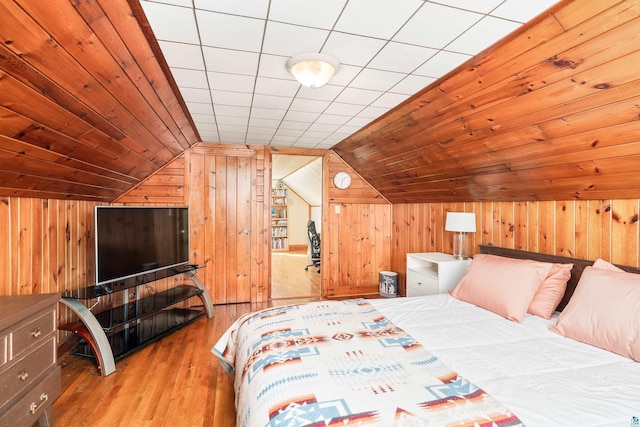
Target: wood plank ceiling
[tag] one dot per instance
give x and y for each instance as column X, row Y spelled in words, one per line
column 551, row 112
column 84, row 114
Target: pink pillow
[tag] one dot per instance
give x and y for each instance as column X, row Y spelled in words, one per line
column 604, row 311
column 551, row 291
column 606, row 265
column 503, row 285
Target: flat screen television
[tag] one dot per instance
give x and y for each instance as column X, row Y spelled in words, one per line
column 130, row 241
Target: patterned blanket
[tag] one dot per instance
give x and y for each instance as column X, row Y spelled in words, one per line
column 343, row 363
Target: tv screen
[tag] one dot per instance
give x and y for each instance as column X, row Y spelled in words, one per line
column 134, row 240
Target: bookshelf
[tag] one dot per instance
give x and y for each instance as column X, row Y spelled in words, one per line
column 279, row 240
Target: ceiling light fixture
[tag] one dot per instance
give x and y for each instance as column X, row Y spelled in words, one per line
column 312, row 69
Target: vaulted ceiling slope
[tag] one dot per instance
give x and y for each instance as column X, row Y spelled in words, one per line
column 86, row 109
column 551, row 113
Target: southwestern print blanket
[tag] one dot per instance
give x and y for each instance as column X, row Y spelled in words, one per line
column 343, row 363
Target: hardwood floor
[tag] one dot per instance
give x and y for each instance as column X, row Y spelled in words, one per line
column 176, row 381
column 289, row 279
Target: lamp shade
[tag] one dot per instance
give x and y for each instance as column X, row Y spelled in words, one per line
column 312, row 69
column 462, row 222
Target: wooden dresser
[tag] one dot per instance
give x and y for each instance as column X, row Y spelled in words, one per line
column 29, row 375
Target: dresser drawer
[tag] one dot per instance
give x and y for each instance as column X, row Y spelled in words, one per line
column 4, row 350
column 25, row 412
column 32, row 332
column 24, row 372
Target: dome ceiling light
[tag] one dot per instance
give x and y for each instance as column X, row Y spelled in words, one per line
column 312, row 69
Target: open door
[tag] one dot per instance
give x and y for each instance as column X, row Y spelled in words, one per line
column 296, row 198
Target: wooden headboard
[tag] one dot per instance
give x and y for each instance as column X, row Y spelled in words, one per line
column 576, row 272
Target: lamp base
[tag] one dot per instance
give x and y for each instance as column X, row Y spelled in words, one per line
column 460, row 246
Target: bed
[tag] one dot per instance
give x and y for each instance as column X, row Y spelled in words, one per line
column 441, row 360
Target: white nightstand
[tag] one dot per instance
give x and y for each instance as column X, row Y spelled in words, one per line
column 433, row 273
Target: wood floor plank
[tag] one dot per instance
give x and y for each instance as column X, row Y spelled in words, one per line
column 175, row 381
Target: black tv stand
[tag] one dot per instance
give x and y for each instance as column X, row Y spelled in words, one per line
column 114, row 333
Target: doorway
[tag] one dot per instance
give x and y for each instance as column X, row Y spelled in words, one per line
column 296, row 198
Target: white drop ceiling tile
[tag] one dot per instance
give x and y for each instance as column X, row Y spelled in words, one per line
column 358, row 96
column 237, row 129
column 210, row 118
column 412, row 84
column 231, row 120
column 263, row 132
column 290, row 40
column 233, row 110
column 376, row 79
column 401, row 57
column 444, row 24
column 187, row 55
column 270, row 101
column 317, row 14
column 326, row 144
column 481, row 6
column 200, row 108
column 252, row 8
column 309, row 105
column 231, row 82
column 482, row 35
column 372, row 112
column 358, row 122
column 195, row 95
column 522, row 10
column 344, row 75
column 186, row 3
column 171, row 23
column 274, row 66
column 307, row 117
column 232, row 139
column 308, row 145
column 257, row 140
column 240, row 99
column 279, row 87
column 230, row 61
column 292, row 127
column 342, row 109
column 351, row 128
column 325, row 93
column 229, row 31
column 376, row 18
column 390, row 100
column 208, row 127
column 266, row 113
column 351, row 49
column 287, row 135
column 190, row 78
column 264, row 123
column 326, row 127
column 441, row 64
column 210, row 137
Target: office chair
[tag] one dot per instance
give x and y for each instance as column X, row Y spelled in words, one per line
column 313, row 249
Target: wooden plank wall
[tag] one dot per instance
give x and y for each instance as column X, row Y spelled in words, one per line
column 586, row 229
column 356, row 233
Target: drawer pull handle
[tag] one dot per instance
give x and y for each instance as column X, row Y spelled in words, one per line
column 36, row 332
column 24, row 375
column 33, row 408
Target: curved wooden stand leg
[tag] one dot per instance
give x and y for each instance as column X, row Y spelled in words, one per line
column 204, row 296
column 93, row 333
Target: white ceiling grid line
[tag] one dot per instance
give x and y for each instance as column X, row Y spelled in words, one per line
column 228, row 59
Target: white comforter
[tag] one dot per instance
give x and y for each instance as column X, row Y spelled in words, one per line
column 544, row 378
